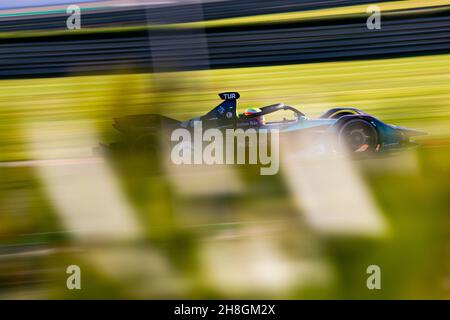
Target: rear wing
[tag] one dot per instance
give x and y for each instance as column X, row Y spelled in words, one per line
column 226, row 111
column 229, row 95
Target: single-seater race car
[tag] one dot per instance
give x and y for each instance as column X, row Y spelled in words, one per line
column 358, row 131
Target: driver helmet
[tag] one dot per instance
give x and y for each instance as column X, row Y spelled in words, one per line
column 261, row 119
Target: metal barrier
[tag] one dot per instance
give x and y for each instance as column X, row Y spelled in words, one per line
column 192, row 49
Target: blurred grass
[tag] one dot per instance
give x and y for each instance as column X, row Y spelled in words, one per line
column 413, row 257
column 413, row 92
column 411, row 190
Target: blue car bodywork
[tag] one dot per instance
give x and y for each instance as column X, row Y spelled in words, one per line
column 361, row 131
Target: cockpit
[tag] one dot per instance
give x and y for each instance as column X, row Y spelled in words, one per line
column 272, row 114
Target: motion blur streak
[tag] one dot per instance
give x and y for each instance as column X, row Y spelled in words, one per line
column 86, row 195
column 262, row 268
column 140, row 227
column 405, row 163
column 147, row 273
column 331, row 194
column 96, row 212
column 196, row 180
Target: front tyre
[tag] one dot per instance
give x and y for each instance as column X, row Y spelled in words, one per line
column 358, row 136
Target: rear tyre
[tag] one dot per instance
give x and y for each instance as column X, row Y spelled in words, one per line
column 358, row 136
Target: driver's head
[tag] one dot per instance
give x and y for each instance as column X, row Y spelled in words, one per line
column 261, row 119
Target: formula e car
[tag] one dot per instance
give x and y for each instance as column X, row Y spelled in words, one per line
column 358, row 131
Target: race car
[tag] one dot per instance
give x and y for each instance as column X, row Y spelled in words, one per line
column 352, row 129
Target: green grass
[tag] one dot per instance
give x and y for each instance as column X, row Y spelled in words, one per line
column 413, row 257
column 410, row 190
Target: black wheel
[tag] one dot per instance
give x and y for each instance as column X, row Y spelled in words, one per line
column 358, row 136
